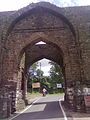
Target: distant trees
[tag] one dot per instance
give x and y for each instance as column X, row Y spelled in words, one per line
column 56, row 76
column 35, row 74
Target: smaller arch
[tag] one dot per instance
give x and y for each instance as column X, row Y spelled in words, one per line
column 54, row 53
column 36, row 41
column 46, row 57
column 43, row 40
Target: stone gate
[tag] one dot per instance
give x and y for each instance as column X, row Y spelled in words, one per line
column 66, row 34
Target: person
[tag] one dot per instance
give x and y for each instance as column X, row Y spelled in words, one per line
column 44, row 91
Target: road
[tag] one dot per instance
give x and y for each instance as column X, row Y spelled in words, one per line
column 46, row 108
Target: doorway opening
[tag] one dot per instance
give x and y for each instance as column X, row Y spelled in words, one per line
column 45, row 74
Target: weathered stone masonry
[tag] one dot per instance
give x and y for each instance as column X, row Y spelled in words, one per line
column 65, row 31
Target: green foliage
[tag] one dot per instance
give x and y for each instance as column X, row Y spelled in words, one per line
column 34, row 75
column 34, row 66
column 56, row 73
column 56, row 76
column 49, row 82
column 39, row 73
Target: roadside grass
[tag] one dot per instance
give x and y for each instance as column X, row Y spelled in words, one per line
column 33, row 95
column 37, row 94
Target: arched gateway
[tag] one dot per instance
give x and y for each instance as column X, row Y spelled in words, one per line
column 28, row 26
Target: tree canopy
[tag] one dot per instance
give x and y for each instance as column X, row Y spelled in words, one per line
column 50, row 82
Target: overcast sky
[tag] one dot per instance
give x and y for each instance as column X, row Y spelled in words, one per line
column 45, row 66
column 8, row 5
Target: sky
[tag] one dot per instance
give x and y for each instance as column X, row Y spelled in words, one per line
column 45, row 66
column 10, row 5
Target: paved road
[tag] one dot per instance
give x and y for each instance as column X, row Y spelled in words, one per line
column 46, row 108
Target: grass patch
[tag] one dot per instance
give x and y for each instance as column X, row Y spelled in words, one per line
column 37, row 94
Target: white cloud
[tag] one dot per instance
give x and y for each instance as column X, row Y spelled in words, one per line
column 44, row 62
column 45, row 66
column 8, row 5
column 46, row 70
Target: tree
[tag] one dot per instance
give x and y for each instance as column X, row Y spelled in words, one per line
column 34, row 75
column 39, row 73
column 33, row 68
column 31, row 75
column 55, row 75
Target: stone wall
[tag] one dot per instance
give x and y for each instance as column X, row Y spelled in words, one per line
column 74, row 15
column 67, row 28
column 78, row 16
column 43, row 24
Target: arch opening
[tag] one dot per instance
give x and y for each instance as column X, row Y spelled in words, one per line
column 32, row 53
column 47, row 74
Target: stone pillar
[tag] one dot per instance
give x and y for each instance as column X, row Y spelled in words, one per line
column 74, row 96
column 25, row 90
column 20, row 95
column 25, row 87
column 5, row 103
column 70, row 93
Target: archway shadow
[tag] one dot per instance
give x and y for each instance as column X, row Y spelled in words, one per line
column 49, row 110
column 42, row 111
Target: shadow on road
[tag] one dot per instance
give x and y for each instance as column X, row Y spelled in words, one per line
column 50, row 111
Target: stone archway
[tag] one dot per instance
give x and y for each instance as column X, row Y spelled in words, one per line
column 49, row 26
column 57, row 32
column 35, row 52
